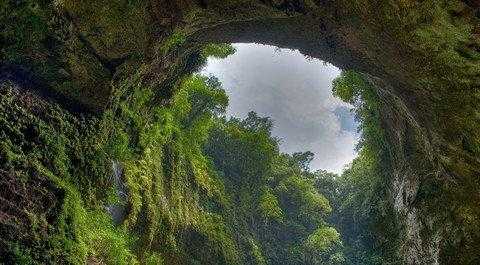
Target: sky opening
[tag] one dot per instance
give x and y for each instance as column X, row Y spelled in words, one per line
column 296, row 92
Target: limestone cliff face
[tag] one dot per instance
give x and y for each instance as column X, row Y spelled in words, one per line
column 423, row 57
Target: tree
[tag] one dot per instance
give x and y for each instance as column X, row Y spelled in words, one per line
column 303, row 159
column 358, row 196
column 256, row 123
column 276, row 204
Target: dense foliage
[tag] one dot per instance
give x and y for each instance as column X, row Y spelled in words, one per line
column 359, row 195
column 161, row 179
column 189, row 185
column 276, row 211
column 296, row 216
column 155, row 192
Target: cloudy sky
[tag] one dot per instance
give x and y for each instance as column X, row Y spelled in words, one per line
column 296, row 93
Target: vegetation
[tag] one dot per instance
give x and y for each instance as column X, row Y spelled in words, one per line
column 68, row 158
column 362, row 212
column 200, row 188
column 275, row 204
column 51, row 157
column 157, row 177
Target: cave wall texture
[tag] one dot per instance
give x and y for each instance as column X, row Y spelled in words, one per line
column 63, row 63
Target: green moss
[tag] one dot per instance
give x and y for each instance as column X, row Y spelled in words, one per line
column 171, row 185
column 302, row 190
column 175, row 40
column 323, row 239
column 165, row 171
column 216, row 230
column 27, row 38
column 54, row 146
column 220, row 51
column 257, row 253
column 114, row 29
column 94, row 234
column 270, row 206
column 74, row 61
column 154, row 259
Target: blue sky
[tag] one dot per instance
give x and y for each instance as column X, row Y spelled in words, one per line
column 296, row 93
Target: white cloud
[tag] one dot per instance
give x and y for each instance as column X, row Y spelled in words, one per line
column 295, row 92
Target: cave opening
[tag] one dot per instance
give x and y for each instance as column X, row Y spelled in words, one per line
column 409, row 197
column 296, row 92
column 317, row 130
